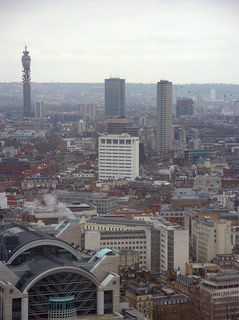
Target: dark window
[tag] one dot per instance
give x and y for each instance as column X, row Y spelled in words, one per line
column 108, row 301
column 16, row 309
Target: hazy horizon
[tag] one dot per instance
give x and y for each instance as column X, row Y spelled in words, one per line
column 144, row 41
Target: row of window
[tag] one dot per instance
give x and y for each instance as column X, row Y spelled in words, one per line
column 116, row 141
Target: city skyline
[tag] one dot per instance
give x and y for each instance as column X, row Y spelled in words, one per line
column 146, row 41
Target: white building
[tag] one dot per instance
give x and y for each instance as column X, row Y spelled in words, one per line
column 174, row 247
column 3, row 200
column 39, row 110
column 161, row 245
column 210, row 238
column 81, row 126
column 118, row 157
column 236, row 108
column 164, row 115
column 212, row 94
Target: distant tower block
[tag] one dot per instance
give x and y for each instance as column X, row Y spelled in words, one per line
column 39, row 110
column 164, row 115
column 114, row 97
column 236, row 108
column 26, row 79
column 213, row 95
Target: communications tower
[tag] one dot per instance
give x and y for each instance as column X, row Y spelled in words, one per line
column 26, row 79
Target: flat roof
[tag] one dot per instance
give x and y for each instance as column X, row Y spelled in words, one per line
column 127, row 222
column 90, row 195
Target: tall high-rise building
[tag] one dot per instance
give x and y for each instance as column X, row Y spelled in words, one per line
column 213, row 95
column 164, row 115
column 114, row 97
column 236, row 108
column 116, row 125
column 26, row 79
column 118, row 157
column 39, row 110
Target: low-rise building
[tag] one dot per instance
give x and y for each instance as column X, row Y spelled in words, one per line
column 156, row 303
column 39, row 181
column 128, row 259
column 104, row 203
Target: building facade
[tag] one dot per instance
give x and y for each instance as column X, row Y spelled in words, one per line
column 114, row 97
column 39, row 110
column 164, row 115
column 220, row 296
column 174, row 247
column 45, row 278
column 118, row 157
column 210, row 238
column 104, row 203
column 116, row 125
column 161, row 245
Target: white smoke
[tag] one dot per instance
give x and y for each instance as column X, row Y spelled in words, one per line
column 59, row 207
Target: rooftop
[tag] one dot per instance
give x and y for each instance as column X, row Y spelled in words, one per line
column 127, row 222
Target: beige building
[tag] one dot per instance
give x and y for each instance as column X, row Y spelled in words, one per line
column 140, row 298
column 120, row 234
column 161, row 245
column 174, row 247
column 210, row 238
column 128, row 259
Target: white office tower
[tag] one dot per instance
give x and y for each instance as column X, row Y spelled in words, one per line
column 39, row 110
column 213, row 95
column 174, row 247
column 236, row 108
column 164, row 116
column 81, row 126
column 118, row 157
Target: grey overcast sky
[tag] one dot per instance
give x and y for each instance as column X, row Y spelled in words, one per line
column 139, row 40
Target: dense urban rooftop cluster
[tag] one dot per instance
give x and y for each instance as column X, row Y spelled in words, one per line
column 118, row 205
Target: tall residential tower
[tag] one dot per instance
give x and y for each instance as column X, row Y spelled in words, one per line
column 164, row 115
column 114, row 97
column 26, row 79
